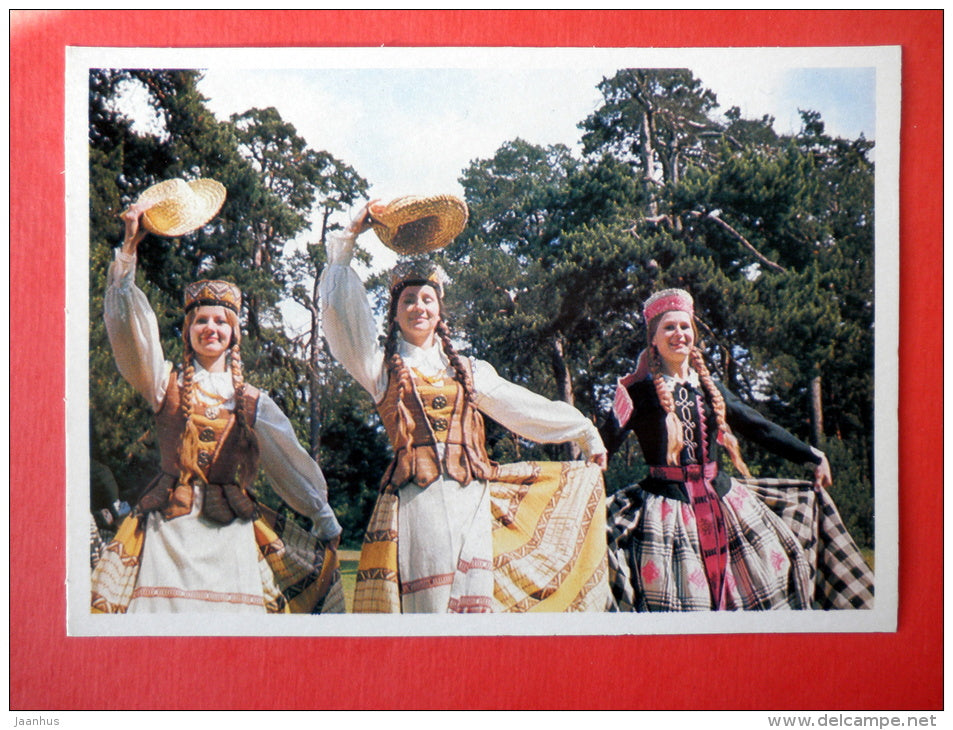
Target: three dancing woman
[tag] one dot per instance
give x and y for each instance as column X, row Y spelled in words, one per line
column 453, row 531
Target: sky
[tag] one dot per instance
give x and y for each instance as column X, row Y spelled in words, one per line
column 411, row 120
column 413, row 131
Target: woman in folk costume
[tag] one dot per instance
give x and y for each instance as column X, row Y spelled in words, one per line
column 196, row 542
column 453, row 531
column 689, row 537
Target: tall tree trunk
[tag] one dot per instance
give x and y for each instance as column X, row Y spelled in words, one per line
column 314, row 354
column 561, row 370
column 563, row 380
column 817, row 412
column 251, row 321
column 648, row 160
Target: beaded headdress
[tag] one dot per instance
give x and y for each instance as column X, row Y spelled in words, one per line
column 213, row 293
column 418, row 272
column 668, row 300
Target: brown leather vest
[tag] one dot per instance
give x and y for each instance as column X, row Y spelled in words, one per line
column 410, row 422
column 218, row 457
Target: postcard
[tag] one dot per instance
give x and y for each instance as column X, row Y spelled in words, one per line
column 532, row 139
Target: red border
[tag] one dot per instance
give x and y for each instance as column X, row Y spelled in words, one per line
column 49, row 671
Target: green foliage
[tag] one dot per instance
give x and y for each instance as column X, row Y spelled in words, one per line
column 355, row 453
column 772, row 234
column 274, row 180
column 852, row 490
column 660, row 109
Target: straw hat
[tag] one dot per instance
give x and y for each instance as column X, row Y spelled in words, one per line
column 413, row 224
column 177, row 207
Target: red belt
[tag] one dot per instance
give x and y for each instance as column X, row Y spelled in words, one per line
column 690, row 473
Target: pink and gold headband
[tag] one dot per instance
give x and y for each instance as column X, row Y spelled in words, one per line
column 668, row 300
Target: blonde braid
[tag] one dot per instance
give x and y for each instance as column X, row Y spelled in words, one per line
column 238, row 382
column 189, row 443
column 728, row 439
column 673, row 425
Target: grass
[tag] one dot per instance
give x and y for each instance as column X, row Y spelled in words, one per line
column 348, row 563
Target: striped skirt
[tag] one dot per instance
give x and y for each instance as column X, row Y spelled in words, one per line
column 788, row 548
column 293, row 570
column 533, row 539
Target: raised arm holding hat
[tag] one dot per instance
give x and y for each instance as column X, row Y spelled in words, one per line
column 444, row 535
column 198, row 540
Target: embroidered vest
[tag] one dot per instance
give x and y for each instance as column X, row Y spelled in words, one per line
column 422, row 416
column 219, row 438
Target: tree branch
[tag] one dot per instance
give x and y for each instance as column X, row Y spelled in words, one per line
column 713, row 215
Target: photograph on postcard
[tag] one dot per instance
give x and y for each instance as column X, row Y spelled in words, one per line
column 584, row 341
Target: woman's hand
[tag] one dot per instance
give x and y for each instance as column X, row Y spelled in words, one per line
column 134, row 231
column 822, row 474
column 361, row 221
column 600, row 460
column 334, row 542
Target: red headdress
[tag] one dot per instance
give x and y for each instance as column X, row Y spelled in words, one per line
column 668, row 300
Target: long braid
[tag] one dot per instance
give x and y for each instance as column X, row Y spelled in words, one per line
column 238, row 382
column 391, row 358
column 189, row 443
column 726, row 437
column 673, row 425
column 395, row 363
column 461, row 373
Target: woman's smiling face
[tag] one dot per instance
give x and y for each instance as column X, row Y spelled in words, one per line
column 210, row 334
column 417, row 315
column 674, row 337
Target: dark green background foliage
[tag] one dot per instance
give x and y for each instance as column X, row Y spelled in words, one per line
column 773, row 234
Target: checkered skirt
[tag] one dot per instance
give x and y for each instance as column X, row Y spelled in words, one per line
column 788, row 549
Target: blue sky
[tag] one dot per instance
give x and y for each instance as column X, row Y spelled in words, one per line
column 410, row 120
column 413, row 130
column 844, row 96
